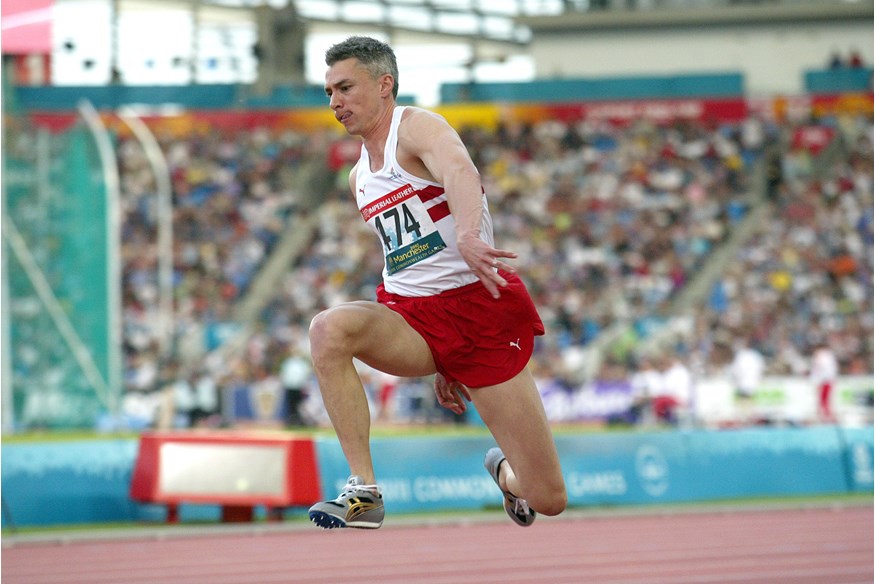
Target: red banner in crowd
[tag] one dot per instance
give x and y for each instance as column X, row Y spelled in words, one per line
column 812, row 138
column 654, row 110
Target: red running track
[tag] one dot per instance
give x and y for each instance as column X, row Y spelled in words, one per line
column 800, row 546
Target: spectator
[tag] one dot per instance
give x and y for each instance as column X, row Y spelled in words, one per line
column 206, row 397
column 647, row 384
column 673, row 403
column 295, row 375
column 823, row 374
column 746, row 371
column 856, row 61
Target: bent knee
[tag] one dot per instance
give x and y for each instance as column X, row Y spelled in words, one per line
column 550, row 503
column 343, row 319
column 327, row 333
column 319, row 325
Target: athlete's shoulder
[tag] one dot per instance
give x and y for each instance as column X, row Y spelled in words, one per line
column 417, row 116
column 419, row 128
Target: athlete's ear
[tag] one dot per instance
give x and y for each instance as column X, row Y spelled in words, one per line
column 386, row 85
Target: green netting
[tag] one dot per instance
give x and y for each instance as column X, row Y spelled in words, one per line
column 55, row 197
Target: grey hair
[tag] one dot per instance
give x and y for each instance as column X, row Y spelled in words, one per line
column 377, row 57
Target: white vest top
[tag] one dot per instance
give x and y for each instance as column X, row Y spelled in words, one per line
column 412, row 219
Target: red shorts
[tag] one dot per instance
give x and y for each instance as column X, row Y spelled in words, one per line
column 475, row 339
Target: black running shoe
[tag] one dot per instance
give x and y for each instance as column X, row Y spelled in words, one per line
column 516, row 508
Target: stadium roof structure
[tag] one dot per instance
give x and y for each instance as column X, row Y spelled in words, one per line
column 438, row 41
column 493, row 20
column 513, row 21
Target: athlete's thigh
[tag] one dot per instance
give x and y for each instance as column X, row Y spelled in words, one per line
column 514, row 413
column 383, row 339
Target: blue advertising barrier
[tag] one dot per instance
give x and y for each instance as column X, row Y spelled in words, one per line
column 701, row 465
column 49, row 483
column 858, row 458
column 88, row 481
column 418, row 473
column 622, row 468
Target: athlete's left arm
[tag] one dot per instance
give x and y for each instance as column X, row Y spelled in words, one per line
column 451, row 394
column 428, row 137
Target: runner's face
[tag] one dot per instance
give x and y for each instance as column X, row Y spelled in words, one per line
column 354, row 96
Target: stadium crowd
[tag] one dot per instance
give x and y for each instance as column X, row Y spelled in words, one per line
column 805, row 279
column 610, row 222
column 232, row 199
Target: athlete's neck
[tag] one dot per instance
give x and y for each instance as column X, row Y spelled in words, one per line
column 375, row 139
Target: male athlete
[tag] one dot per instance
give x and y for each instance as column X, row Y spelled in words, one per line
column 449, row 303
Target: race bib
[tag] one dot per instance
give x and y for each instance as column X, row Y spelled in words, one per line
column 406, row 229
